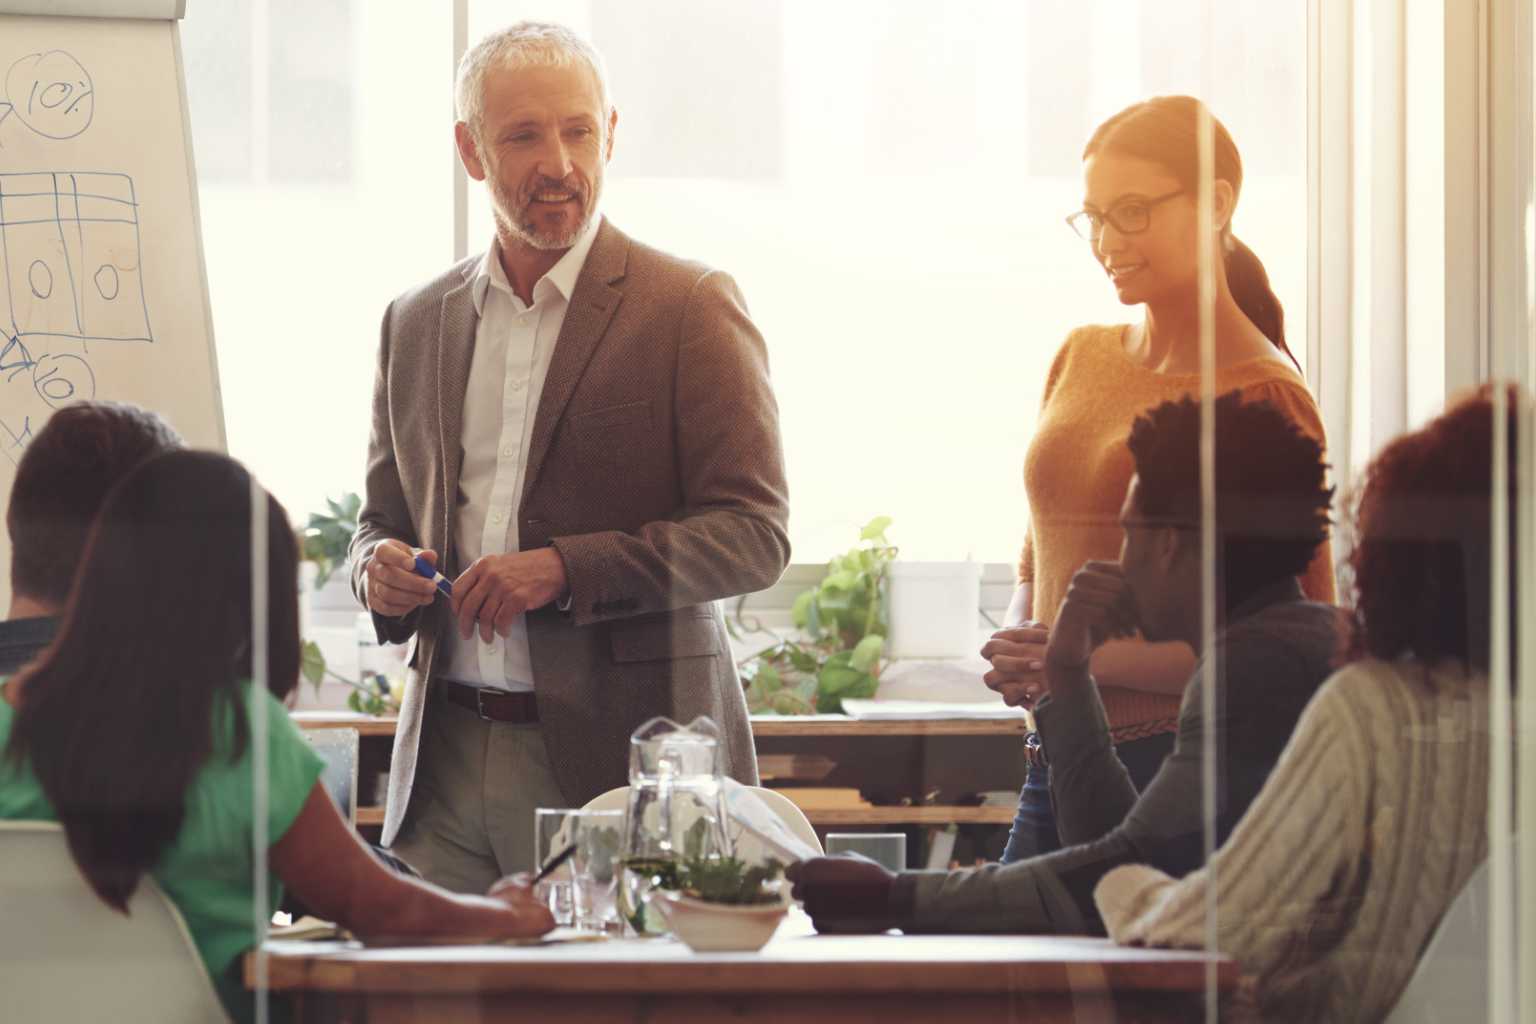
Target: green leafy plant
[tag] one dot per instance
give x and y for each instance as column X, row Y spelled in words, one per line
column 328, row 535
column 700, row 872
column 843, row 625
column 372, row 696
column 728, row 880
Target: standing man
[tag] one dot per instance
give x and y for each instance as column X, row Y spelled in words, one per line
column 579, row 431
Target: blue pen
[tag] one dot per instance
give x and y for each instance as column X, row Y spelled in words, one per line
column 427, row 569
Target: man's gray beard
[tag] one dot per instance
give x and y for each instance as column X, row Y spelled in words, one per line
column 507, row 227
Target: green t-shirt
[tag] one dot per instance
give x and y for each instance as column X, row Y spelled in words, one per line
column 207, row 872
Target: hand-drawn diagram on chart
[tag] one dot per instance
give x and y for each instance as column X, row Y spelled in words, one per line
column 70, row 261
column 51, row 93
column 70, row 252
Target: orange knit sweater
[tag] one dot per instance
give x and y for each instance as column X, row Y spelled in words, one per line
column 1078, row 467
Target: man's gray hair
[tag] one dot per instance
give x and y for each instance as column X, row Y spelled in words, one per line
column 527, row 44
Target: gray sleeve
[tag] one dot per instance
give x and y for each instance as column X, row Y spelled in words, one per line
column 1090, row 788
column 1053, row 893
column 1170, row 810
column 1015, row 898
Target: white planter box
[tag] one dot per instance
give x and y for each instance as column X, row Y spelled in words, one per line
column 934, row 608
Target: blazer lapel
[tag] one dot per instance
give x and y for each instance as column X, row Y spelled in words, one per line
column 593, row 303
column 455, row 349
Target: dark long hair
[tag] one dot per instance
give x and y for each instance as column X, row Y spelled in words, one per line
column 1423, row 560
column 117, row 718
column 1165, row 130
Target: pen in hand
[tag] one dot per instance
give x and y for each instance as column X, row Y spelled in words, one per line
column 429, row 571
column 553, row 862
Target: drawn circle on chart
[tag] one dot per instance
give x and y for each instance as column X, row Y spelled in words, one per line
column 40, row 278
column 108, row 284
column 52, row 94
column 60, row 380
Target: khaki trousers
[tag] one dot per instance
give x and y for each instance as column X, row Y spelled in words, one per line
column 477, row 785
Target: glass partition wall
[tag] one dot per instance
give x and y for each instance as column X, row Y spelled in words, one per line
column 887, row 184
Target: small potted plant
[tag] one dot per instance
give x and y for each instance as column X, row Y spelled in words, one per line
column 843, row 623
column 720, row 904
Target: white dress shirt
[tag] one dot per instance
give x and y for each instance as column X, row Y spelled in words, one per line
column 513, row 347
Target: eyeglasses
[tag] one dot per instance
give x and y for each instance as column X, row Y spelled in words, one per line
column 1129, row 217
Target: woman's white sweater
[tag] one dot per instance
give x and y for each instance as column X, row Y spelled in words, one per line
column 1330, row 886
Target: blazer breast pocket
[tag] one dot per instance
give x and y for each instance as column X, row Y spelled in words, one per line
column 691, row 633
column 631, row 417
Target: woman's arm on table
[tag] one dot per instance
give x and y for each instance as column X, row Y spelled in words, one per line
column 330, row 870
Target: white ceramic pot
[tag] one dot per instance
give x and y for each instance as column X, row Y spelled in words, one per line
column 720, row 927
column 934, row 608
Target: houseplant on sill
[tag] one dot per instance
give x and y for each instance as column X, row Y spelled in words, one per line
column 843, row 622
column 376, row 694
column 324, row 542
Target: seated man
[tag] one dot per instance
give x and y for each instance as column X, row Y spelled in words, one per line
column 61, row 481
column 1272, row 650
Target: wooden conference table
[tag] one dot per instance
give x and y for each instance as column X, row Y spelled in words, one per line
column 798, row 977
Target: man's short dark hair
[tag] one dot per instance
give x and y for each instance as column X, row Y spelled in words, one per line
column 1272, row 497
column 64, row 475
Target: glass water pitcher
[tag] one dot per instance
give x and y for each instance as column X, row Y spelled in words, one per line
column 676, row 811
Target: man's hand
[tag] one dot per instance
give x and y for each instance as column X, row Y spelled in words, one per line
column 844, row 894
column 393, row 587
column 516, row 891
column 493, row 592
column 1097, row 608
column 1018, row 663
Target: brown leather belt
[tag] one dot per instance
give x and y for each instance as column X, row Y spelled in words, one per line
column 520, row 708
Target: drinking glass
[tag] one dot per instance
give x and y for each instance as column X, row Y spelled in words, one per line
column 553, row 831
column 888, row 849
column 594, row 869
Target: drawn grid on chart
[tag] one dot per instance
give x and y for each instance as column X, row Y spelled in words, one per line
column 72, row 258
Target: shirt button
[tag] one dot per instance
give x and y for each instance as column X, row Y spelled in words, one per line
column 518, row 385
column 496, row 517
column 509, row 451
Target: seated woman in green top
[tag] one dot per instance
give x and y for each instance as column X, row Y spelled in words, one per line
column 135, row 732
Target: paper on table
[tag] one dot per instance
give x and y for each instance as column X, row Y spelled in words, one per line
column 745, row 809
column 929, row 710
column 308, row 929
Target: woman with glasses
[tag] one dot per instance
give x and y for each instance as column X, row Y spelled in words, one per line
column 1142, row 221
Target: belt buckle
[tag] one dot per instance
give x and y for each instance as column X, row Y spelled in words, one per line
column 480, row 705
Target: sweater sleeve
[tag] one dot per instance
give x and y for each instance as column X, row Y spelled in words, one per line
column 1298, row 405
column 1288, row 878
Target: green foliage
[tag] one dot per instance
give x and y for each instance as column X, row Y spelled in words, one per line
column 371, row 696
column 328, row 535
column 713, row 879
column 843, row 625
column 728, row 880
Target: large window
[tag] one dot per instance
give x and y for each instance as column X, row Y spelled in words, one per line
column 322, row 133
column 886, row 179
